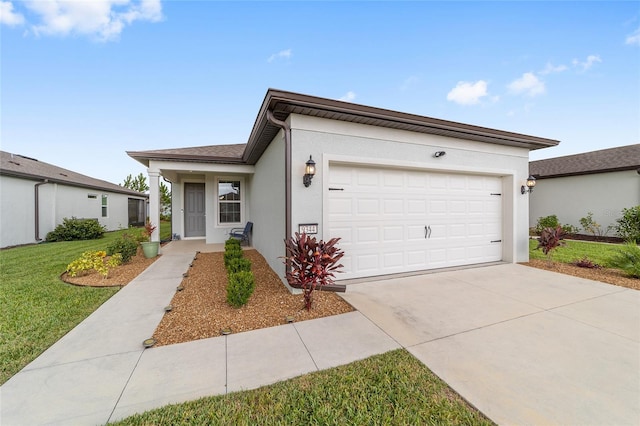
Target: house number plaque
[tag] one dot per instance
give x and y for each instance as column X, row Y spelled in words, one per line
column 308, row 228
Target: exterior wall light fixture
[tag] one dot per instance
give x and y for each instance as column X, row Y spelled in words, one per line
column 309, row 171
column 439, row 154
column 531, row 182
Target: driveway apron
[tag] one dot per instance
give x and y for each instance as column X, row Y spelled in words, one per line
column 523, row 345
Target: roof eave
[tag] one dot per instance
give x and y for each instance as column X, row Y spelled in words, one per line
column 283, row 103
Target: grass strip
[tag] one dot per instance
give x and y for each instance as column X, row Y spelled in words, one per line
column 392, row 388
column 599, row 253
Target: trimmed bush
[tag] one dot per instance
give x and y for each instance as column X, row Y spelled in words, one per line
column 231, row 242
column 126, row 245
column 230, row 254
column 627, row 258
column 239, row 265
column 240, row 288
column 628, row 227
column 77, row 229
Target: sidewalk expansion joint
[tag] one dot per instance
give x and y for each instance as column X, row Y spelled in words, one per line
column 125, row 386
column 305, row 346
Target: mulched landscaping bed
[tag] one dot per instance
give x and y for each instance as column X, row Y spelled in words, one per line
column 117, row 277
column 201, row 309
column 605, row 275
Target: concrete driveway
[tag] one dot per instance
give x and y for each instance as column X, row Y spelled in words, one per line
column 525, row 346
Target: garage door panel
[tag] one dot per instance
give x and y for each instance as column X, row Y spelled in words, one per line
column 397, row 220
column 367, row 207
column 368, row 235
column 393, row 260
column 393, row 234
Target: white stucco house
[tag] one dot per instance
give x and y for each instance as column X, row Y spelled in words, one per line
column 36, row 196
column 602, row 182
column 403, row 192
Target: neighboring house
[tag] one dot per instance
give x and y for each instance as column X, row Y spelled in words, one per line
column 35, row 197
column 601, row 182
column 403, row 192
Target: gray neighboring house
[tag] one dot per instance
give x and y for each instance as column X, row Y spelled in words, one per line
column 602, row 182
column 36, row 196
column 404, row 192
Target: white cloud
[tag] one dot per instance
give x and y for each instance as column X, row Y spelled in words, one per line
column 634, row 38
column 528, row 84
column 283, row 54
column 102, row 19
column 8, row 16
column 468, row 93
column 591, row 59
column 348, row 97
column 550, row 69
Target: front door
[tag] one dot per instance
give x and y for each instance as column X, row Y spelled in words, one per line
column 194, row 211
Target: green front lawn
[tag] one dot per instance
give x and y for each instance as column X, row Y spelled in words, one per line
column 37, row 307
column 392, row 388
column 599, row 253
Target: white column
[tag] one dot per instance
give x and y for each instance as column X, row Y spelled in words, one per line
column 154, row 203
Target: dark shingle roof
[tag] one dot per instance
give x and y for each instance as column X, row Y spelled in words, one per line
column 30, row 168
column 602, row 161
column 210, row 153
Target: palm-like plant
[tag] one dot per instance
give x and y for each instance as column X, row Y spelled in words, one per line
column 311, row 263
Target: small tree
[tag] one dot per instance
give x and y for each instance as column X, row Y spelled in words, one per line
column 138, row 183
column 165, row 201
column 551, row 239
column 312, row 263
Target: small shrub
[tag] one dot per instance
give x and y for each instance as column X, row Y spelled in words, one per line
column 627, row 258
column 230, row 254
column 239, row 265
column 126, row 246
column 550, row 221
column 240, row 288
column 593, row 227
column 231, row 242
column 93, row 260
column 628, row 227
column 550, row 239
column 570, row 229
column 585, row 262
column 312, row 263
column 76, row 229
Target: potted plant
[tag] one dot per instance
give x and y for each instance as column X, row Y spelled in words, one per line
column 149, row 248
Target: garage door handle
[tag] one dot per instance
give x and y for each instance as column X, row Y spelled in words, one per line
column 496, row 241
column 427, row 232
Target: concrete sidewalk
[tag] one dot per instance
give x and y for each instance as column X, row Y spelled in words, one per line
column 100, row 372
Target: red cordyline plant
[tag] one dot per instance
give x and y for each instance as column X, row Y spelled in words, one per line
column 312, row 263
column 550, row 239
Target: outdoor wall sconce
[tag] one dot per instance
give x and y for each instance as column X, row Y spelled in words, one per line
column 309, row 171
column 439, row 154
column 531, row 182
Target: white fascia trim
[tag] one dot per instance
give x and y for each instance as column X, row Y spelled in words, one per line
column 178, row 166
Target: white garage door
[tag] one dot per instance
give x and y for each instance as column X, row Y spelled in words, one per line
column 392, row 221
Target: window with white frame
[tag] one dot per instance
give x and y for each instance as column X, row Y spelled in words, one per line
column 104, row 206
column 229, row 201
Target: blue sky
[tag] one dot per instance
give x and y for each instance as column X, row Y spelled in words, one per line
column 82, row 82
